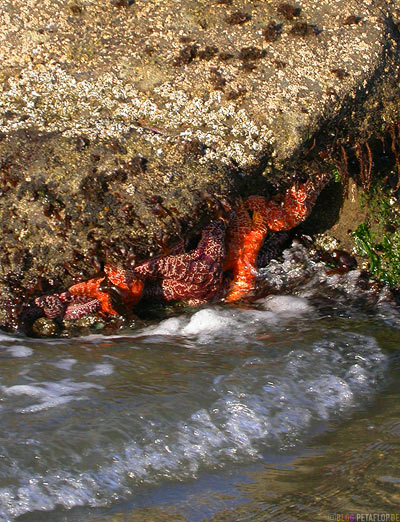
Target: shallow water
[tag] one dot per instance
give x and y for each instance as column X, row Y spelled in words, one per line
column 222, row 413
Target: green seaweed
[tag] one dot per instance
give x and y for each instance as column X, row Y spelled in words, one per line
column 337, row 177
column 378, row 239
column 366, row 247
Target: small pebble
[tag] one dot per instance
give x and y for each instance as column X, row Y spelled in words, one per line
column 44, row 327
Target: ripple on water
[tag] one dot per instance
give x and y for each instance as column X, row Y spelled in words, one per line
column 49, row 394
column 102, row 369
column 65, row 364
column 198, row 391
column 20, row 351
column 261, row 403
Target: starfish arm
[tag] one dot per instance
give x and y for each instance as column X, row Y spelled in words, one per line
column 78, row 309
column 268, row 215
column 52, row 305
column 174, row 266
column 243, row 262
column 192, row 266
column 212, row 242
column 244, row 275
column 236, row 233
column 91, row 288
column 173, row 290
column 170, row 290
column 297, row 204
column 205, row 265
column 68, row 306
column 128, row 284
column 296, row 208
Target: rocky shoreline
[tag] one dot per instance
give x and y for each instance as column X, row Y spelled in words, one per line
column 124, row 127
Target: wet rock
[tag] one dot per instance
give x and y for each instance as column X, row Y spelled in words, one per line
column 271, row 32
column 85, row 322
column 44, row 327
column 344, row 260
column 83, row 326
column 304, row 29
column 289, row 11
column 238, row 18
column 103, row 109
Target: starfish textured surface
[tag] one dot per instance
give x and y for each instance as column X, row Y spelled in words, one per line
column 81, row 307
column 91, row 289
column 247, row 234
column 66, row 305
column 194, row 276
column 52, row 305
column 128, row 286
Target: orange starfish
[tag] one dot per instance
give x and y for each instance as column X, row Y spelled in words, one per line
column 128, row 284
column 91, row 288
column 246, row 235
column 129, row 287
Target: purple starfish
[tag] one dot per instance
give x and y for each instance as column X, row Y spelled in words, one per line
column 66, row 306
column 194, row 276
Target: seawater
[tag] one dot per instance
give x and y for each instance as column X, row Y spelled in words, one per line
column 104, row 427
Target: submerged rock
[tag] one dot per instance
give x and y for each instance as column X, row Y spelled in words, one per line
column 124, row 127
column 44, row 327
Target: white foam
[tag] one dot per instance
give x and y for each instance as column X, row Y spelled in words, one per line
column 8, row 337
column 25, row 389
column 286, row 304
column 50, row 394
column 102, row 369
column 207, row 321
column 170, row 326
column 214, row 324
column 65, row 364
column 300, row 273
column 264, row 402
column 20, row 351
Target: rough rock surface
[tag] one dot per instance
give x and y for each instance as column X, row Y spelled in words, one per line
column 123, row 123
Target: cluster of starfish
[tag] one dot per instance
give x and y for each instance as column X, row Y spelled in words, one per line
column 222, row 266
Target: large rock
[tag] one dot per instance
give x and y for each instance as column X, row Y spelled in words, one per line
column 124, row 126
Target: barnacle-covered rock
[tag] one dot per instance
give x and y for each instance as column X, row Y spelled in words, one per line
column 116, row 121
column 44, row 327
